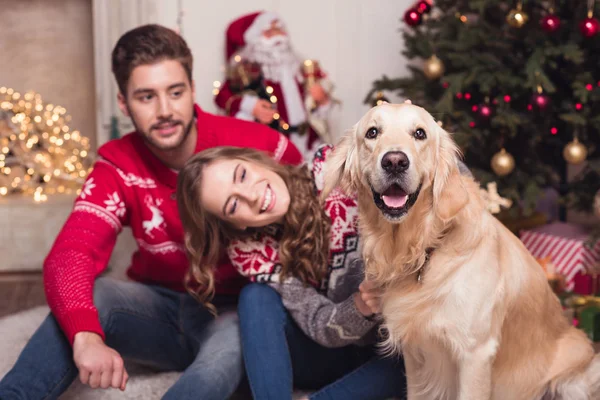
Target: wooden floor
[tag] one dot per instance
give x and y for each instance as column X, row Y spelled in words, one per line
column 20, row 291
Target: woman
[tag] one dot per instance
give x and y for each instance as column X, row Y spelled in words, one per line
column 305, row 323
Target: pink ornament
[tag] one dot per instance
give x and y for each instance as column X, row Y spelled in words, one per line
column 554, row 130
column 550, row 23
column 485, row 111
column 423, row 7
column 578, row 106
column 541, row 101
column 412, row 17
column 589, row 27
column 507, row 99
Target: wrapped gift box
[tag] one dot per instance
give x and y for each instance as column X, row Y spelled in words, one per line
column 566, row 245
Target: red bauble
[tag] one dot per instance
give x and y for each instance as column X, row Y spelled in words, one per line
column 589, row 27
column 485, row 111
column 412, row 17
column 541, row 101
column 423, row 7
column 550, row 23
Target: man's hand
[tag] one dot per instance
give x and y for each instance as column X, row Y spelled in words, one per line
column 98, row 364
column 370, row 296
column 318, row 94
column 263, row 111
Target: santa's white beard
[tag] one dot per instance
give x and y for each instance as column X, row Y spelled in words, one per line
column 280, row 64
column 275, row 55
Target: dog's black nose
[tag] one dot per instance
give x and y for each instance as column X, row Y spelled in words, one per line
column 395, row 162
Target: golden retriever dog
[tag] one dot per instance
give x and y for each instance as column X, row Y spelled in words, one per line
column 462, row 298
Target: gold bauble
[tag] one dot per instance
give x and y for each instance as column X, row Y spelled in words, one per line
column 433, row 68
column 503, row 163
column 575, row 152
column 379, row 99
column 517, row 17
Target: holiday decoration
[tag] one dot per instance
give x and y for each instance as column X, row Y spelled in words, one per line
column 542, row 87
column 550, row 23
column 433, row 67
column 503, row 163
column 556, row 280
column 540, row 100
column 492, row 199
column 485, row 111
column 39, row 153
column 379, row 99
column 575, row 152
column 567, row 246
column 517, row 17
column 413, row 17
column 589, row 26
column 268, row 82
column 423, row 7
column 589, row 320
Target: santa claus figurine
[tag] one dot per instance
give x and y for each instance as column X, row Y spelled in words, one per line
column 267, row 82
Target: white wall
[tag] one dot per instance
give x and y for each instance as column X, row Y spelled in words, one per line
column 356, row 41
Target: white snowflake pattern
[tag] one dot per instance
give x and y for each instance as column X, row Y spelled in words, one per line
column 114, row 204
column 86, row 190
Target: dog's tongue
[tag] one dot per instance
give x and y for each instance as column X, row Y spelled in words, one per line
column 394, row 197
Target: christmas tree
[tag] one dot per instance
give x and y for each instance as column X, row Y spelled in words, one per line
column 39, row 153
column 517, row 83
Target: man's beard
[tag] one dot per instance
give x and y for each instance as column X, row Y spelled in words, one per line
column 275, row 55
column 156, row 143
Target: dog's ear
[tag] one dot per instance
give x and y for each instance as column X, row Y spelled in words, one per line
column 449, row 193
column 341, row 167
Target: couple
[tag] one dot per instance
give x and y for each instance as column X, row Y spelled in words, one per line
column 245, row 215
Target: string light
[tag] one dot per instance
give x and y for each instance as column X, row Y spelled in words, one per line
column 39, row 153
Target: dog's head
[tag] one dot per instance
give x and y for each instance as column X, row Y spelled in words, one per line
column 398, row 151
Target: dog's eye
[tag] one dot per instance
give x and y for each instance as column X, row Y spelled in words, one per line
column 372, row 133
column 420, row 134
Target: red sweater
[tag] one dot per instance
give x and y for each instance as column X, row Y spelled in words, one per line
column 129, row 186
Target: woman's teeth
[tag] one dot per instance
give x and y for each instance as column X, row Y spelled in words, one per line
column 267, row 200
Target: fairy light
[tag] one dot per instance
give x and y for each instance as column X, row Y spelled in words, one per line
column 39, row 153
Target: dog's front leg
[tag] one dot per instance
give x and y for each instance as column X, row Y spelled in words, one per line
column 475, row 372
column 412, row 366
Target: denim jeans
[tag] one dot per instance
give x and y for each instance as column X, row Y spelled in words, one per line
column 279, row 356
column 150, row 325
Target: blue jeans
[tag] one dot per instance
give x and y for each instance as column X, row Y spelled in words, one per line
column 151, row 325
column 279, row 356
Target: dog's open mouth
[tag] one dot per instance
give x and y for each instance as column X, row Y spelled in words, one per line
column 394, row 202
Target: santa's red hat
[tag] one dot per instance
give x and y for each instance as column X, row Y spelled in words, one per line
column 247, row 29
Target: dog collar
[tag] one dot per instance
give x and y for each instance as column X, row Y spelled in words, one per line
column 427, row 257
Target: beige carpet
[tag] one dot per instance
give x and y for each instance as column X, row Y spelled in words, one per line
column 15, row 331
column 144, row 384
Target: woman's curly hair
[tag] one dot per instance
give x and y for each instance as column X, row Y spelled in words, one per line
column 304, row 242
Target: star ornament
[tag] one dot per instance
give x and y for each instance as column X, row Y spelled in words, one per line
column 493, row 200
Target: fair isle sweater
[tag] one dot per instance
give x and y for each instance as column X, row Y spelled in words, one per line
column 130, row 186
column 326, row 314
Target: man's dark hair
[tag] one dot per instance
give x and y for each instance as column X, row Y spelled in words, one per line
column 148, row 44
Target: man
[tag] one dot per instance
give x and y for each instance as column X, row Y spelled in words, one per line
column 260, row 39
column 94, row 324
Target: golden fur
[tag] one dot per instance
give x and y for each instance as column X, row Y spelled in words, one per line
column 482, row 323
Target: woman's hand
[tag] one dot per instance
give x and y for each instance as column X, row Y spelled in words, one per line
column 370, row 297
